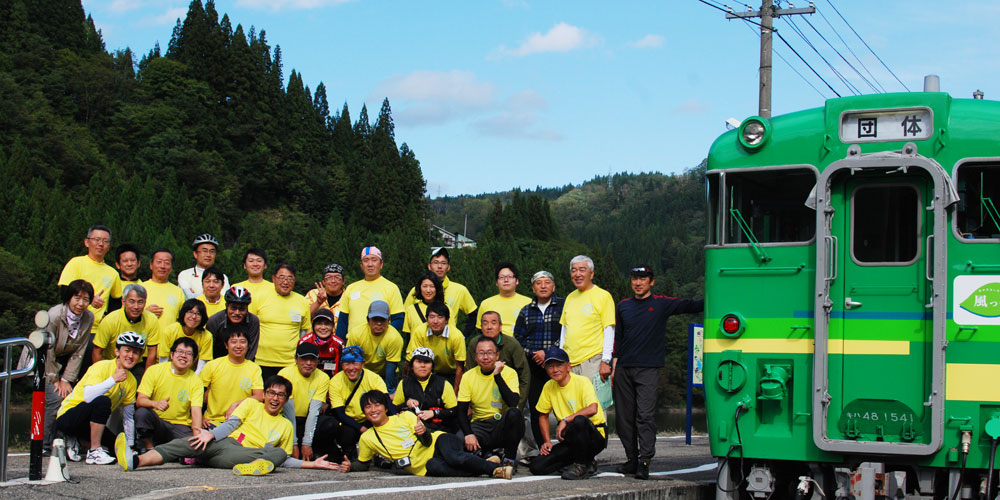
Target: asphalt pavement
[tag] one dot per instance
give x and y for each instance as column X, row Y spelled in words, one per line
column 678, row 471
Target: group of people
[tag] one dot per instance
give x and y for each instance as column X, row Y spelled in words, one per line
column 348, row 376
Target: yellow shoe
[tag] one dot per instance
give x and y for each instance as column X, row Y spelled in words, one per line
column 258, row 467
column 506, row 472
column 493, row 459
column 123, row 453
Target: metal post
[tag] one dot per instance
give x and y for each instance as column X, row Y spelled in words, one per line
column 6, row 417
column 690, row 381
column 37, row 416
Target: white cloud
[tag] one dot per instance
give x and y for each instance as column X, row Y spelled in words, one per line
column 518, row 118
column 167, row 18
column 276, row 5
column 431, row 97
column 691, row 106
column 120, row 6
column 649, row 41
column 561, row 38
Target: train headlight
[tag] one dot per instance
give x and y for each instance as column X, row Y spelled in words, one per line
column 754, row 132
column 732, row 325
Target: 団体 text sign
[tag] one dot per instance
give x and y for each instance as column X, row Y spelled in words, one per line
column 909, row 124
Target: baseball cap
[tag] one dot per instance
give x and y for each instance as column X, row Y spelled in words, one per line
column 378, row 309
column 323, row 313
column 542, row 274
column 307, row 349
column 642, row 271
column 423, row 354
column 371, row 251
column 554, row 353
column 352, row 354
column 441, row 251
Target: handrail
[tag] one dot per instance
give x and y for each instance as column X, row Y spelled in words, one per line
column 6, row 376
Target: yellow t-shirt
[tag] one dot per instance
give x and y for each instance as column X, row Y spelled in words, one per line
column 578, row 394
column 116, row 324
column 360, row 294
column 449, row 351
column 185, row 391
column 341, row 387
column 482, row 393
column 121, row 394
column 397, row 441
column 412, row 320
column 211, row 308
column 228, row 383
column 378, row 349
column 456, row 296
column 448, row 396
column 260, row 428
column 508, row 307
column 101, row 276
column 175, row 331
column 304, row 389
column 335, row 308
column 585, row 316
column 166, row 295
column 282, row 319
column 258, row 291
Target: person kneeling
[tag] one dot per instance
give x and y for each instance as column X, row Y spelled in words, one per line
column 581, row 433
column 252, row 441
column 428, row 395
column 406, row 444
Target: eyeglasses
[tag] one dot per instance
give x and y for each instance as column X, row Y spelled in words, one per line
column 273, row 394
column 486, row 353
column 285, row 279
column 506, row 277
column 103, row 241
column 193, row 312
column 333, row 278
column 186, row 354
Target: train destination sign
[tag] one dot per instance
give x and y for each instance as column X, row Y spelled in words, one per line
column 883, row 125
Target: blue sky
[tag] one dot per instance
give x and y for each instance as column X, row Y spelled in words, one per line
column 496, row 94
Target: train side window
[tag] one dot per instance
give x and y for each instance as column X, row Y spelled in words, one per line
column 885, row 223
column 714, row 208
column 769, row 205
column 977, row 216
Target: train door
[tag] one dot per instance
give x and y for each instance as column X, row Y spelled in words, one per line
column 878, row 364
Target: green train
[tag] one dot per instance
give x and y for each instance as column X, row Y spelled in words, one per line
column 852, row 316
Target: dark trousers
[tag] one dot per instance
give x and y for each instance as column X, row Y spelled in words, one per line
column 505, row 433
column 324, row 437
column 538, row 379
column 149, row 425
column 52, row 403
column 581, row 443
column 332, row 433
column 451, row 460
column 267, row 372
column 76, row 421
column 635, row 402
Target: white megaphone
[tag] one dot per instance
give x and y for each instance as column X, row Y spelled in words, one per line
column 57, row 472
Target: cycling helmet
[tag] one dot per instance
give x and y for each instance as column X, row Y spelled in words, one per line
column 204, row 238
column 352, row 354
column 423, row 354
column 237, row 295
column 131, row 339
column 333, row 268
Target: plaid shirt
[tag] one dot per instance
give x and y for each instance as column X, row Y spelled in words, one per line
column 536, row 330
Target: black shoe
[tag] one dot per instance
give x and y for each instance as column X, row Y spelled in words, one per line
column 626, row 468
column 575, row 471
column 642, row 470
column 592, row 468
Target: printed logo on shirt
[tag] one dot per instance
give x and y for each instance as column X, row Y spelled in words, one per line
column 379, row 352
column 403, row 432
column 172, row 300
column 183, row 396
column 107, row 281
column 587, row 309
column 496, row 394
column 246, row 384
column 573, row 405
column 273, row 436
column 376, row 296
column 450, row 302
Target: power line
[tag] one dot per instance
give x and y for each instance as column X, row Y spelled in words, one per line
column 804, row 79
column 842, row 58
column 849, row 49
column 729, row 10
column 782, row 38
column 886, row 66
column 802, row 35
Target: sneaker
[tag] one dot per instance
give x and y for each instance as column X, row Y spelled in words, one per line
column 592, row 468
column 628, row 467
column 98, row 456
column 494, row 459
column 258, row 467
column 575, row 471
column 123, row 453
column 642, row 470
column 503, row 472
column 73, row 449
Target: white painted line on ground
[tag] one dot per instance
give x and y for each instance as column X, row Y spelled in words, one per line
column 661, row 437
column 18, row 454
column 700, row 468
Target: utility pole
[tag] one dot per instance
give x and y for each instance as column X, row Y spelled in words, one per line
column 767, row 13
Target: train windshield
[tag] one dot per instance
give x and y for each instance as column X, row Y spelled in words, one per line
column 977, row 217
column 769, row 206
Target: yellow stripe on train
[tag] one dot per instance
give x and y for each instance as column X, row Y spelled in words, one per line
column 971, row 382
column 805, row 346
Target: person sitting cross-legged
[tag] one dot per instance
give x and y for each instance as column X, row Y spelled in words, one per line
column 427, row 394
column 581, row 431
column 252, row 441
column 404, row 443
column 170, row 397
column 490, row 391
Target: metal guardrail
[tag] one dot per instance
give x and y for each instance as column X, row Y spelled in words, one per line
column 6, row 376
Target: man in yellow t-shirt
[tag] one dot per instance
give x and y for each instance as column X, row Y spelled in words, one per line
column 255, row 263
column 404, row 441
column 588, row 320
column 284, row 319
column 131, row 317
column 106, row 387
column 328, row 293
column 92, row 269
column 212, row 285
column 447, row 343
column 382, row 344
column 359, row 295
column 253, row 440
column 346, row 388
column 163, row 298
column 230, row 379
column 489, row 390
column 456, row 295
column 309, row 388
column 581, row 432
column 170, row 397
column 507, row 302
